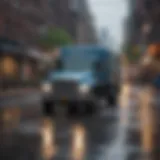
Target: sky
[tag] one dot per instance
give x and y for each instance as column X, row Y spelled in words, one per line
column 110, row 14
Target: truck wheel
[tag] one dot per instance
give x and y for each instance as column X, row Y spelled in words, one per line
column 112, row 100
column 48, row 108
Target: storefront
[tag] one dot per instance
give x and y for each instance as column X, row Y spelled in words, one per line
column 17, row 64
column 8, row 67
column 32, row 65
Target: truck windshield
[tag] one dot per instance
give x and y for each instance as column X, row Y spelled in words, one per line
column 76, row 62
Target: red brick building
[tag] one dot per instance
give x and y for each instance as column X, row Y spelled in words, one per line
column 21, row 20
column 24, row 20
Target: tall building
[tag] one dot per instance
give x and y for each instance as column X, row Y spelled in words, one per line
column 151, row 19
column 103, row 39
column 86, row 32
column 145, row 21
column 25, row 20
column 22, row 20
column 64, row 15
column 132, row 24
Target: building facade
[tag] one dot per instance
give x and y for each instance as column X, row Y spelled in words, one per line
column 132, row 24
column 20, row 23
column 24, row 21
column 145, row 21
column 86, row 33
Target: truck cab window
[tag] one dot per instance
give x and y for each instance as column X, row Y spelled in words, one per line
column 98, row 66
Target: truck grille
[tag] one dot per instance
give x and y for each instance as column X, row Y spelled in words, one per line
column 65, row 89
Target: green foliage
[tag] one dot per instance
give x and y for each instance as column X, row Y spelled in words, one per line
column 132, row 53
column 55, row 37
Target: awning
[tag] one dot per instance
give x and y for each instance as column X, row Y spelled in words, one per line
column 34, row 54
column 11, row 47
column 39, row 55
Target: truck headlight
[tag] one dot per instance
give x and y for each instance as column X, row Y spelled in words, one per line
column 84, row 88
column 47, row 87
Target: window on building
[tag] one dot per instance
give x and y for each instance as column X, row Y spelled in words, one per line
column 37, row 2
column 2, row 24
column 17, row 3
column 9, row 66
column 51, row 3
column 148, row 4
column 74, row 5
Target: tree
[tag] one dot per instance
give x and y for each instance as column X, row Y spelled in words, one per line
column 55, row 37
column 132, row 53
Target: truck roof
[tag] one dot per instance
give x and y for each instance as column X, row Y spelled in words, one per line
column 84, row 47
column 95, row 48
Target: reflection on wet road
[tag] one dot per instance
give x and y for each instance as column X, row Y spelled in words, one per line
column 150, row 112
column 122, row 147
column 58, row 138
column 125, row 133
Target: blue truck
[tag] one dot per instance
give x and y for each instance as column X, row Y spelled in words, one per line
column 82, row 76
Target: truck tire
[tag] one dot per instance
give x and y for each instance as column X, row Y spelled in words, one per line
column 48, row 108
column 112, row 100
column 89, row 108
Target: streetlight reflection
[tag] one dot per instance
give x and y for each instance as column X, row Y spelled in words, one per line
column 48, row 147
column 150, row 124
column 78, row 142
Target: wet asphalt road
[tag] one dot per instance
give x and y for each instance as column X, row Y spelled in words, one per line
column 59, row 138
column 22, row 99
column 111, row 134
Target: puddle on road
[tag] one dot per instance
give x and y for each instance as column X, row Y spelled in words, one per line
column 150, row 126
column 10, row 118
column 78, row 148
column 148, row 116
column 77, row 141
column 48, row 146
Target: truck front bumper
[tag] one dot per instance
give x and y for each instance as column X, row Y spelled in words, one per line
column 74, row 98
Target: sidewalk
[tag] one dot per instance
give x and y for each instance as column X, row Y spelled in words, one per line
column 18, row 91
column 20, row 97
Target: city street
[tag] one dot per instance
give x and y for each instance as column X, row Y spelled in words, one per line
column 60, row 57
column 27, row 97
column 113, row 134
